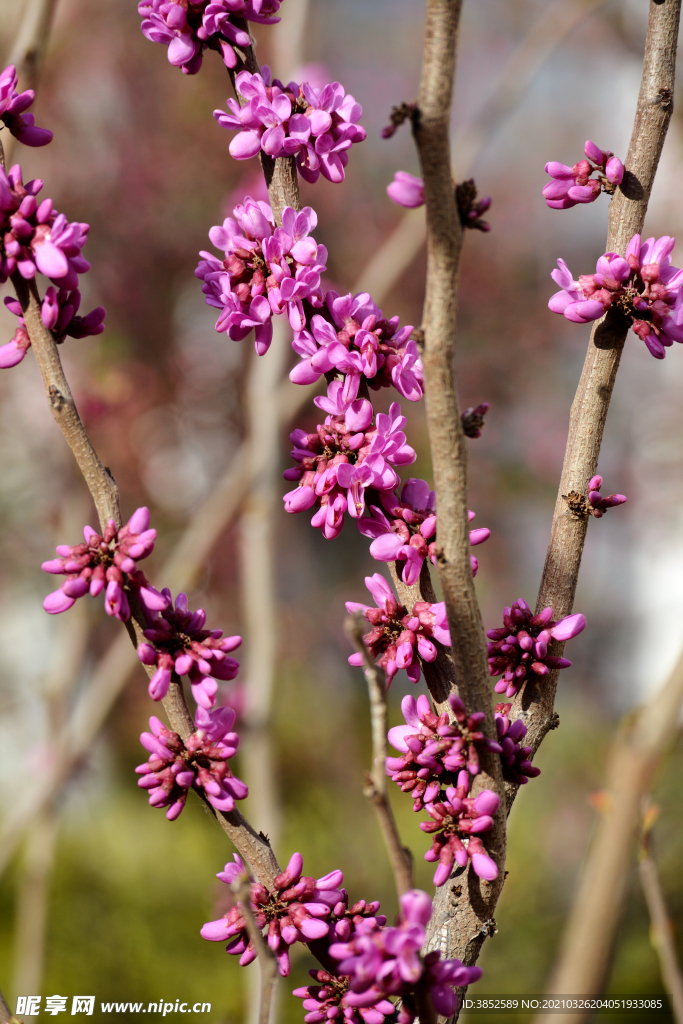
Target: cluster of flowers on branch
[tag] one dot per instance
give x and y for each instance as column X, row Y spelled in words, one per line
column 201, row 762
column 38, row 238
column 13, row 107
column 515, row 759
column 520, row 646
column 188, row 27
column 642, row 286
column 317, row 125
column 399, row 636
column 107, row 562
column 176, row 642
column 266, row 270
column 573, row 185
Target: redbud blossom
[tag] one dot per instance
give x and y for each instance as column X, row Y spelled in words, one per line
column 515, row 759
column 599, row 503
column 12, row 107
column 177, row 642
column 520, row 646
column 297, row 909
column 572, row 185
column 103, row 563
column 318, row 125
column 643, row 287
column 457, row 817
column 399, row 636
column 200, row 762
column 406, row 190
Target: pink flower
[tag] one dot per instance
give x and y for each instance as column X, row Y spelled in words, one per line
column 106, row 563
column 572, row 185
column 200, row 762
column 176, row 641
column 399, row 636
column 455, row 818
column 599, row 503
column 644, row 285
column 406, row 190
column 520, row 646
column 360, row 343
column 318, row 125
column 515, row 759
column 266, row 271
column 297, row 909
column 343, row 457
column 12, row 107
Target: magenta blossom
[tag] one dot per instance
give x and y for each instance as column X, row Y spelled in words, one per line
column 325, row 1001
column 178, row 643
column 520, row 646
column 409, row 535
column 59, row 314
column 515, row 759
column 296, row 909
column 188, row 27
column 434, row 748
column 103, row 563
column 384, row 961
column 343, row 457
column 266, row 271
column 455, row 818
column 600, row 504
column 318, row 125
column 360, row 343
column 643, row 286
column 407, row 190
column 200, row 762
column 12, row 111
column 572, row 185
column 399, row 636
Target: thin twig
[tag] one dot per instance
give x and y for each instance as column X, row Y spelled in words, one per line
column 662, row 932
column 461, row 913
column 591, row 403
column 375, row 788
column 589, row 933
column 266, row 957
column 6, row 1017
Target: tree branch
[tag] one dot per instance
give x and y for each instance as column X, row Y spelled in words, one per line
column 266, row 957
column 591, row 403
column 375, row 788
column 661, row 930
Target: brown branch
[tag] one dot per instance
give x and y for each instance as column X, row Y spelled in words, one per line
column 375, row 788
column 591, row 403
column 6, row 1016
column 662, row 932
column 462, row 912
column 639, row 745
column 266, row 957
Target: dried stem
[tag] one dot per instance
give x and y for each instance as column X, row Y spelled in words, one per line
column 640, row 743
column 5, row 1016
column 591, row 403
column 462, row 913
column 375, row 788
column 266, row 957
column 662, row 932
column 32, row 902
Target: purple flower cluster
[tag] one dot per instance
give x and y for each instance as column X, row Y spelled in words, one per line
column 103, row 562
column 599, row 503
column 382, row 962
column 643, row 286
column 37, row 238
column 200, row 762
column 319, row 126
column 398, row 636
column 343, row 457
column 177, row 642
column 433, row 747
column 573, row 185
column 188, row 27
column 12, row 111
column 266, row 270
column 297, row 909
column 515, row 759
column 404, row 536
column 520, row 646
column 359, row 343
column 455, row 817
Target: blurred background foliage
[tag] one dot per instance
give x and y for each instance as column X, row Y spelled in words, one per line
column 138, row 156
